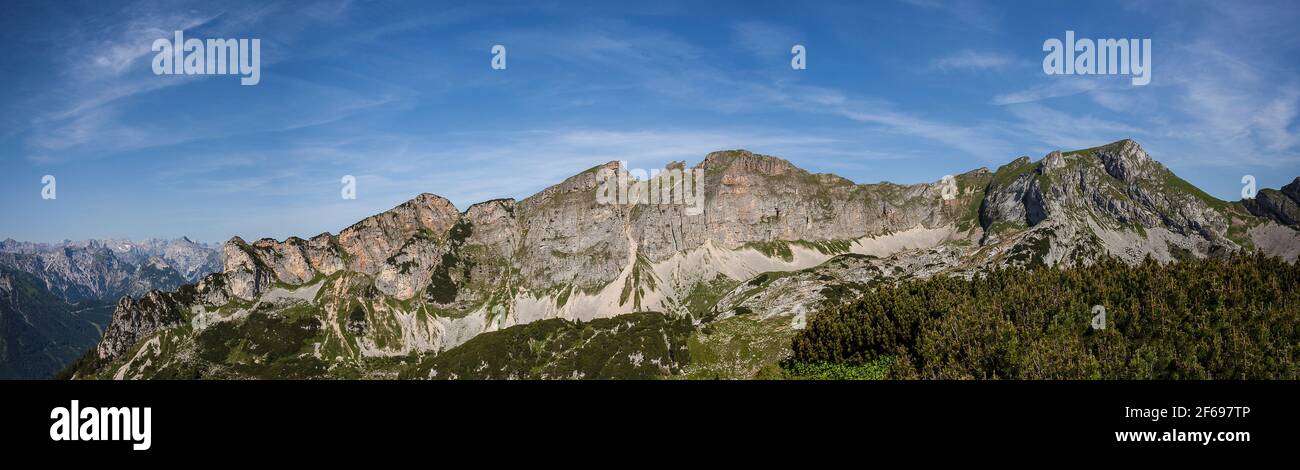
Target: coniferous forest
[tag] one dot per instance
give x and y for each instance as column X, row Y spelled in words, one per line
column 1231, row 318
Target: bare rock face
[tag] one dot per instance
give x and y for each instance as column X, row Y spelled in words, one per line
column 287, row 260
column 482, row 255
column 1112, row 200
column 246, row 274
column 1012, row 199
column 757, row 198
column 324, row 254
column 365, row 247
column 1281, row 206
column 409, row 270
column 104, row 270
column 76, row 274
column 370, row 242
column 567, row 236
column 495, row 227
column 213, row 290
column 423, row 276
column 191, row 259
column 1125, row 160
column 134, row 320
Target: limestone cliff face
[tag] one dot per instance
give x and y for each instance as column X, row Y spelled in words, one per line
column 1282, row 206
column 1113, row 200
column 136, row 319
column 564, row 236
column 408, row 231
column 424, row 276
column 372, row 241
column 1068, row 207
column 245, row 272
column 757, row 198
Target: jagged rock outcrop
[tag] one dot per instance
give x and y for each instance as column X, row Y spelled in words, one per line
column 410, row 270
column 757, row 198
column 370, row 242
column 365, row 247
column 135, row 319
column 245, row 271
column 1113, row 200
column 104, row 270
column 566, row 236
column 1013, row 198
column 423, row 277
column 1126, row 161
column 1281, row 206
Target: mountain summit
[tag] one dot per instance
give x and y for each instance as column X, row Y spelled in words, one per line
column 393, row 294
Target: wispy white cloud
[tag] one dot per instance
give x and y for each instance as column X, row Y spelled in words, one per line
column 86, row 118
column 975, row 14
column 1062, row 130
column 667, row 65
column 1122, row 100
column 764, row 39
column 1234, row 103
column 1055, row 87
column 972, row 60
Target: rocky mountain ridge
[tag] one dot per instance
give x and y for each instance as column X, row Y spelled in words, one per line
column 772, row 243
column 56, row 298
column 106, row 270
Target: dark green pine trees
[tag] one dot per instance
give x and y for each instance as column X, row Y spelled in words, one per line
column 1235, row 318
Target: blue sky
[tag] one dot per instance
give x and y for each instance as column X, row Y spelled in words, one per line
column 402, row 96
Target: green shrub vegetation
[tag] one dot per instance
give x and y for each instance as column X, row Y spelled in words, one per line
column 1233, row 318
column 875, row 370
column 643, row 345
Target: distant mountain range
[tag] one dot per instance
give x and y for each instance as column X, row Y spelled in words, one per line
column 540, row 288
column 55, row 298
